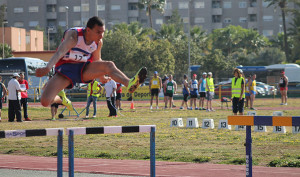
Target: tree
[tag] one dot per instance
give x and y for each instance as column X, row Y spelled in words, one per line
column 282, row 4
column 268, row 56
column 7, row 50
column 150, row 5
column 57, row 37
column 135, row 29
column 294, row 33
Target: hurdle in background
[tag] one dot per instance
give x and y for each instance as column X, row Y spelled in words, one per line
column 41, row 132
column 260, row 121
column 111, row 130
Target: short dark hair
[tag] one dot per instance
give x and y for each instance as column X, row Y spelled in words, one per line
column 94, row 21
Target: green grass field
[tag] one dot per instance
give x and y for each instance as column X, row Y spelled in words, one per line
column 172, row 143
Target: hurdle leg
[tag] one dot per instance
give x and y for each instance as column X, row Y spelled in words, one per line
column 248, row 152
column 152, row 152
column 71, row 153
column 60, row 153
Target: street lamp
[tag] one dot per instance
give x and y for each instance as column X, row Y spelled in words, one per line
column 4, row 22
column 67, row 20
column 50, row 28
column 189, row 36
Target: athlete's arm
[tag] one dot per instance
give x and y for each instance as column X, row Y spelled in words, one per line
column 97, row 53
column 69, row 42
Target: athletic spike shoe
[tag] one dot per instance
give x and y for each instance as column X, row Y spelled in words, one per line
column 65, row 100
column 138, row 79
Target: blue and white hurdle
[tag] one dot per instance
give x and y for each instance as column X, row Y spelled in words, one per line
column 41, row 132
column 112, row 130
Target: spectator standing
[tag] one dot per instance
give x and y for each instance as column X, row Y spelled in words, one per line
column 252, row 91
column 119, row 96
column 283, row 86
column 202, row 86
column 185, row 92
column 3, row 93
column 164, row 82
column 110, row 88
column 247, row 91
column 210, row 92
column 155, row 87
column 93, row 92
column 14, row 97
column 171, row 88
column 194, row 92
column 237, row 92
column 24, row 95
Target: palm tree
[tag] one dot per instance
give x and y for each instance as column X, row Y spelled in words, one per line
column 152, row 5
column 283, row 7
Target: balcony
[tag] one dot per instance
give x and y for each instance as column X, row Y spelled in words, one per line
column 51, row 15
column 51, row 2
column 133, row 13
column 217, row 11
column 217, row 25
column 252, row 25
column 252, row 10
column 136, row 1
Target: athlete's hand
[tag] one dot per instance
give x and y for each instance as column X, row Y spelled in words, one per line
column 40, row 72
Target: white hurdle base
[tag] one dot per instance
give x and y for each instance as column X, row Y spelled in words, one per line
column 240, row 127
column 208, row 124
column 176, row 122
column 296, row 129
column 223, row 124
column 260, row 128
column 279, row 129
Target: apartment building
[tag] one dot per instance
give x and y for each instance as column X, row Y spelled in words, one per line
column 210, row 14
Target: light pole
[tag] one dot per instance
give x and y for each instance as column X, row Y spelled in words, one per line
column 4, row 22
column 50, row 28
column 67, row 20
column 189, row 37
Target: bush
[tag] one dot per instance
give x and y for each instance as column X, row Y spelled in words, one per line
column 284, row 163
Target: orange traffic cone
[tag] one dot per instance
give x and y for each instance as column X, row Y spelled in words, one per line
column 132, row 105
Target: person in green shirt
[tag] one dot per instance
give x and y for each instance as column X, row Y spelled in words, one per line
column 170, row 89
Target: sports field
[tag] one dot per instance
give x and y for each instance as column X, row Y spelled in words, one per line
column 172, row 144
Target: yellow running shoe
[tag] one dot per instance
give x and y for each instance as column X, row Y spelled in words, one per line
column 65, row 100
column 138, row 79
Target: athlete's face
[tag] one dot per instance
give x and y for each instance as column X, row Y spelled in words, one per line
column 97, row 33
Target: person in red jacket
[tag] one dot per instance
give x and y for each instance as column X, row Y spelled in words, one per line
column 24, row 95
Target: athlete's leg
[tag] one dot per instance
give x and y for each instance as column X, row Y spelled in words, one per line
column 55, row 85
column 156, row 100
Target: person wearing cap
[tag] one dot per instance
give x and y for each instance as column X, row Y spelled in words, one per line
column 171, row 88
column 237, row 92
column 185, row 92
column 210, row 91
column 24, row 86
column 14, row 97
column 252, row 91
column 202, row 86
column 194, row 92
column 283, row 86
column 3, row 93
column 155, row 87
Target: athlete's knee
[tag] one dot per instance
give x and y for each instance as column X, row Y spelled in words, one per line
column 45, row 102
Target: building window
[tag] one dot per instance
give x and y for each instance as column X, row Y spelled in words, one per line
column 33, row 23
column 144, row 21
column 76, row 9
column 227, row 5
column 168, row 5
column 242, row 4
column 216, row 4
column 76, row 23
column 33, row 9
column 51, row 8
column 62, row 23
column 115, row 7
column 267, row 18
column 18, row 10
column 159, row 21
column 227, row 20
column 243, row 19
column 18, row 24
column 216, row 18
column 85, row 7
column 199, row 5
column 265, row 4
column 183, row 5
column 268, row 33
column 253, row 3
column 132, row 6
column 101, row 7
column 199, row 20
column 253, row 18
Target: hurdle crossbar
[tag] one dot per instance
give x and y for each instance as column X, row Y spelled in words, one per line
column 249, row 121
column 41, row 132
column 112, row 130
